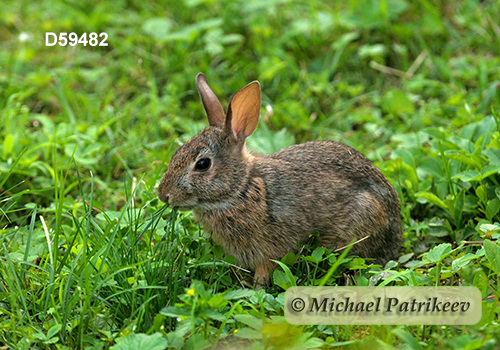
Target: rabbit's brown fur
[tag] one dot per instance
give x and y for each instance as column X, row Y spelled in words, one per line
column 262, row 207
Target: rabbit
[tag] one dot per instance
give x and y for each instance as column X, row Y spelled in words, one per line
column 261, row 207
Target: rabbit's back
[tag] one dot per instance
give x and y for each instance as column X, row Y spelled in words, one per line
column 330, row 188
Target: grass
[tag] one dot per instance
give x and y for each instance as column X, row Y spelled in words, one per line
column 91, row 259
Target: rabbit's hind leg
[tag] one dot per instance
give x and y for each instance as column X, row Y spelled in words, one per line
column 262, row 277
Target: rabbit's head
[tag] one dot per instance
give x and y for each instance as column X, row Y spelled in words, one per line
column 207, row 171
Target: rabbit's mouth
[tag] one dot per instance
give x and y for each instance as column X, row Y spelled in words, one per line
column 185, row 205
column 184, row 208
column 204, row 206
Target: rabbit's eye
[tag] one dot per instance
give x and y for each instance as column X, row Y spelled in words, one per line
column 203, row 164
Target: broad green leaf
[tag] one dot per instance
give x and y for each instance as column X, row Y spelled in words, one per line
column 489, row 228
column 213, row 314
column 280, row 279
column 482, row 193
column 175, row 340
column 438, row 253
column 431, row 166
column 318, row 253
column 404, row 258
column 247, row 333
column 479, row 253
column 309, row 258
column 217, row 301
column 185, row 326
column 252, row 321
column 136, row 341
column 442, row 136
column 466, row 341
column 362, row 281
column 53, row 330
column 474, row 175
column 197, row 341
column 172, row 311
column 406, row 155
column 459, row 263
column 267, row 141
column 492, row 208
column 410, row 173
column 314, row 343
column 468, row 159
column 289, row 259
column 291, row 279
column 40, row 336
column 239, row 293
column 408, row 338
column 282, row 334
column 481, row 282
column 492, row 251
column 493, row 155
column 431, row 197
column 52, row 340
column 468, row 176
column 97, row 346
column 490, row 170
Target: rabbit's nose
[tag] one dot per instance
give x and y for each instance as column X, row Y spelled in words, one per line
column 164, row 197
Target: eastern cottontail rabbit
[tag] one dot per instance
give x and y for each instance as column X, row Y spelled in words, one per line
column 260, row 207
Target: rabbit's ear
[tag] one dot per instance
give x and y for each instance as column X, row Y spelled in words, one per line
column 213, row 108
column 243, row 111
